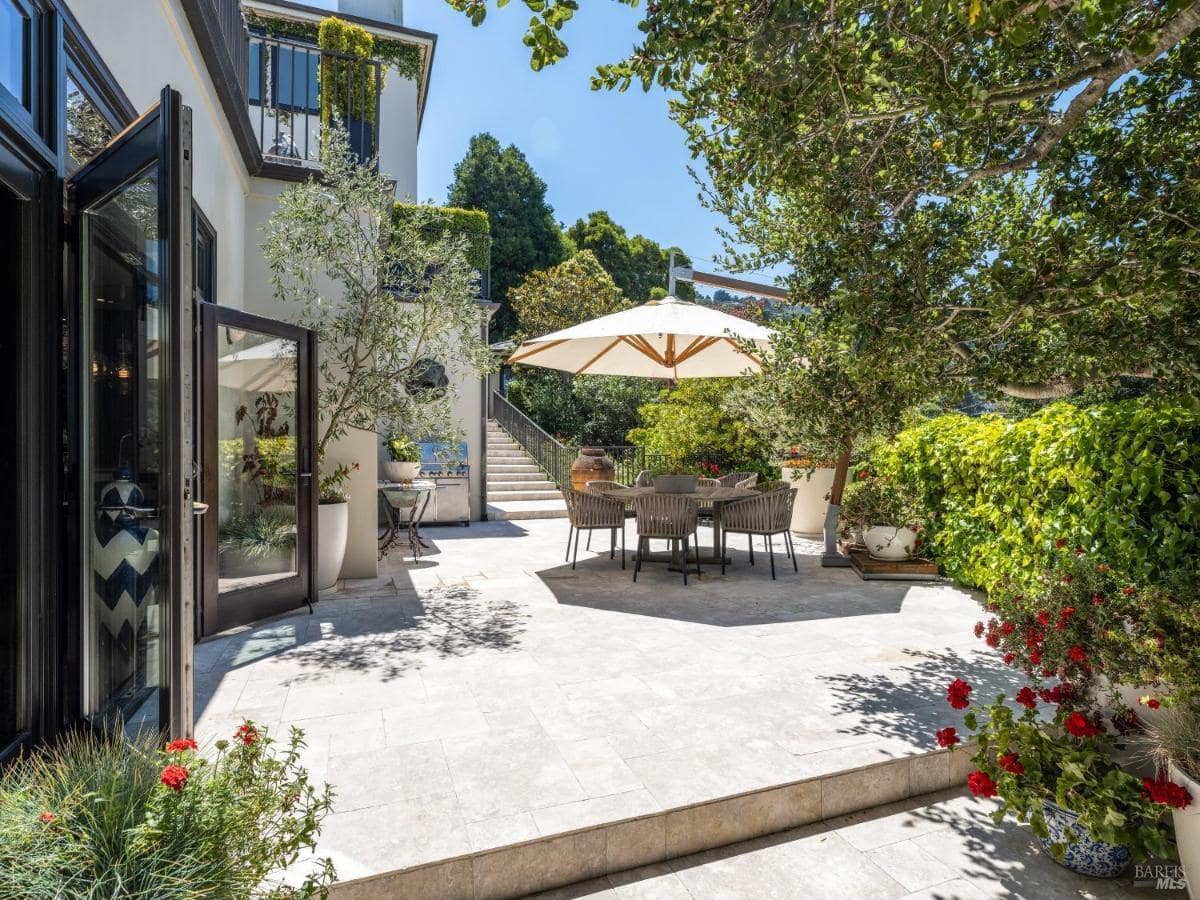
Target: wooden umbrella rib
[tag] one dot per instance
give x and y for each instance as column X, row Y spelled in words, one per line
column 589, row 363
column 697, row 346
column 537, row 349
column 640, row 344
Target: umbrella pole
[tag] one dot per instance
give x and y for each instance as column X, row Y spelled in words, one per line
column 832, row 557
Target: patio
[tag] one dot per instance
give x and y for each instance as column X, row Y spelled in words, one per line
column 490, row 695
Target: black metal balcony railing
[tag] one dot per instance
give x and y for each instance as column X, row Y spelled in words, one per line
column 294, row 89
column 554, row 457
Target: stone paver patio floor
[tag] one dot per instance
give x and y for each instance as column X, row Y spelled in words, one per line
column 934, row 847
column 489, row 694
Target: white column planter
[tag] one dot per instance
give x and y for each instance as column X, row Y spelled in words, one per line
column 812, row 492
column 1187, row 831
column 333, row 526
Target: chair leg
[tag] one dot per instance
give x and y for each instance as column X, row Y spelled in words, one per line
column 750, row 542
column 622, row 546
column 575, row 558
column 721, row 550
column 588, row 545
column 570, row 532
column 696, row 538
column 612, row 544
column 791, row 550
column 771, row 547
column 637, row 560
column 685, row 556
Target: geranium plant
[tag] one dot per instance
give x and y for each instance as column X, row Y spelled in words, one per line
column 1027, row 762
column 100, row 815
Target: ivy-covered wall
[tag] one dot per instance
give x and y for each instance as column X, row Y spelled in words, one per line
column 407, row 60
column 473, row 223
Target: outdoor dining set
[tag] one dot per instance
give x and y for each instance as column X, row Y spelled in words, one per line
column 733, row 504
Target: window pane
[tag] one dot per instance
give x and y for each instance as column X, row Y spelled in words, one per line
column 256, row 72
column 14, row 50
column 87, row 131
column 298, row 79
column 125, row 552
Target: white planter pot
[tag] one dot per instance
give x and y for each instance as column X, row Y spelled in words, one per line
column 812, row 489
column 889, row 542
column 1187, row 831
column 333, row 526
column 400, row 471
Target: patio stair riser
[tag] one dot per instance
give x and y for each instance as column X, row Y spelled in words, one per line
column 516, row 487
column 569, row 857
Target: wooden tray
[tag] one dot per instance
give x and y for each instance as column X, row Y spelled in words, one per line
column 882, row 569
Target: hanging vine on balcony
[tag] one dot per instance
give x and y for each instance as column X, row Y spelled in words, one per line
column 408, row 60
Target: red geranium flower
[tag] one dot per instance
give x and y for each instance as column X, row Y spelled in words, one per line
column 46, row 816
column 1009, row 657
column 247, row 734
column 1152, row 702
column 175, row 777
column 1035, row 656
column 958, row 693
column 1128, row 590
column 978, row 629
column 1026, row 697
column 1078, row 654
column 1078, row 725
column 1008, row 628
column 1097, row 599
column 993, row 640
column 1010, row 762
column 1166, row 792
column 981, row 784
column 947, row 737
column 1044, row 617
column 1034, row 638
column 181, row 744
column 1060, row 543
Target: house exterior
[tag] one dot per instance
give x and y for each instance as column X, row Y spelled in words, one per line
column 162, row 404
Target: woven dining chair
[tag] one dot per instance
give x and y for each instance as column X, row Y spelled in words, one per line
column 645, row 478
column 765, row 487
column 670, row 517
column 739, row 479
column 594, row 512
column 609, row 489
column 708, row 482
column 768, row 514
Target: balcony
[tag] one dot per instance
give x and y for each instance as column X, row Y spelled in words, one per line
column 293, row 89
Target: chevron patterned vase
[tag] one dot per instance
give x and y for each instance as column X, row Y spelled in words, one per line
column 124, row 559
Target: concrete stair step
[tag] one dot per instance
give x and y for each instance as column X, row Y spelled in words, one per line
column 503, row 477
column 538, row 484
column 499, row 453
column 507, row 468
column 526, row 509
column 506, row 496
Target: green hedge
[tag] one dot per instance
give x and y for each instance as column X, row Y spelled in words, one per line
column 473, row 223
column 1121, row 480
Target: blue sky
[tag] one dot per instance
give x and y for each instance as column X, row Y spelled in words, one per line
column 594, row 150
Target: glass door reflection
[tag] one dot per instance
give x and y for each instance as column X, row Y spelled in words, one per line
column 258, row 513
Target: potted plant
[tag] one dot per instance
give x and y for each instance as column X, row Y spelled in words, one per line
column 811, row 477
column 882, row 515
column 668, row 479
column 259, row 542
column 404, row 462
column 1174, row 745
column 1090, row 814
column 333, row 524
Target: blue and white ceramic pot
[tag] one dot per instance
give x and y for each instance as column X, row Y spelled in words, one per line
column 124, row 558
column 1083, row 855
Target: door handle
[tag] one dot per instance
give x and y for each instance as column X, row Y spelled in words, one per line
column 198, row 508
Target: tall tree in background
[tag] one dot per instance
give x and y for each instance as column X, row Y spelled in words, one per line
column 1002, row 190
column 637, row 264
column 525, row 235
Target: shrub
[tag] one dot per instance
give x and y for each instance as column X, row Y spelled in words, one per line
column 107, row 816
column 878, row 500
column 1121, row 480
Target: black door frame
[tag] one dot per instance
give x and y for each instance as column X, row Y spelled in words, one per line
column 285, row 594
column 161, row 136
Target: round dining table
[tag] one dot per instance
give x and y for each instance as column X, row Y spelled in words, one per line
column 703, row 496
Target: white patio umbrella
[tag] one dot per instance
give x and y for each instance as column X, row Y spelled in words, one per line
column 666, row 338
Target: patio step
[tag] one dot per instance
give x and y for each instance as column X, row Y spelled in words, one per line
column 508, row 496
column 504, row 486
column 514, row 468
column 503, row 477
column 505, row 510
column 566, row 857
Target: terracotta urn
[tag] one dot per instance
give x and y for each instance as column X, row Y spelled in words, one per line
column 592, row 464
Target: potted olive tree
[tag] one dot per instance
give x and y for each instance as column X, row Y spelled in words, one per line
column 403, row 292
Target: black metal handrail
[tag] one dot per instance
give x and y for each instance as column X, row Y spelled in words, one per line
column 554, row 457
column 293, row 90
